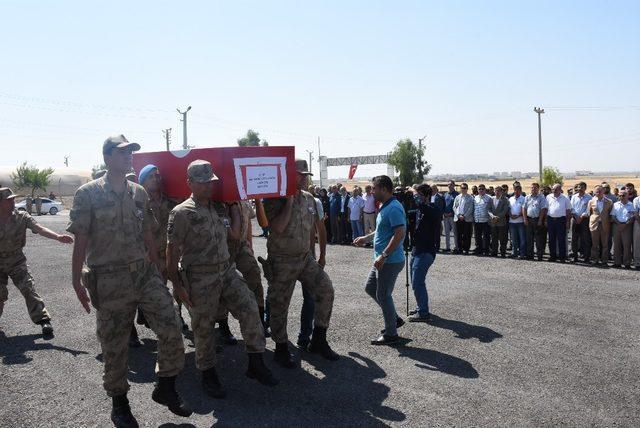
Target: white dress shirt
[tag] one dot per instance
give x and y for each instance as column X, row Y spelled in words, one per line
column 622, row 212
column 559, row 206
column 516, row 204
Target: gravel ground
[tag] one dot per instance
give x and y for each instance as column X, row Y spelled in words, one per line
column 513, row 343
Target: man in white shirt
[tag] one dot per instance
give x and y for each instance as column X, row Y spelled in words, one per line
column 369, row 211
column 356, row 204
column 516, row 224
column 622, row 215
column 580, row 234
column 559, row 211
column 636, row 233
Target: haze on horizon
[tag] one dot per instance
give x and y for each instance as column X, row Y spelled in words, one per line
column 360, row 76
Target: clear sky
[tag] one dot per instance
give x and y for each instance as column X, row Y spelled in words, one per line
column 358, row 74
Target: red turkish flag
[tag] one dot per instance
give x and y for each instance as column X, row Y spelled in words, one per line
column 352, row 171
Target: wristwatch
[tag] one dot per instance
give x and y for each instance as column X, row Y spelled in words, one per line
column 384, row 255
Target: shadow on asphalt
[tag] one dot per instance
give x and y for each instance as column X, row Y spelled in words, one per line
column 429, row 359
column 464, row 330
column 13, row 349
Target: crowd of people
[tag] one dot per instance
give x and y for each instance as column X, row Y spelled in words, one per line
column 600, row 226
column 130, row 240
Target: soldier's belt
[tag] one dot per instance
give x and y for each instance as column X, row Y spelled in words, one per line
column 129, row 267
column 210, row 268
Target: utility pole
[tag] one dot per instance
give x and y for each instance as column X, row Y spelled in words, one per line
column 167, row 137
column 66, row 161
column 319, row 161
column 184, row 126
column 420, row 160
column 310, row 159
column 540, row 111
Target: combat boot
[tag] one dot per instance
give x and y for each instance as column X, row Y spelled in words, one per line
column 225, row 333
column 258, row 371
column 283, row 357
column 211, row 384
column 121, row 415
column 47, row 329
column 165, row 393
column 320, row 346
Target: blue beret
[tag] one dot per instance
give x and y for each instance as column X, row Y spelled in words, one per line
column 144, row 172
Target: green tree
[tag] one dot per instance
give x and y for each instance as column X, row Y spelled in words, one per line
column 551, row 176
column 31, row 177
column 97, row 168
column 252, row 139
column 408, row 159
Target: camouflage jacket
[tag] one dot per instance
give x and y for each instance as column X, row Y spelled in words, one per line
column 115, row 223
column 13, row 234
column 200, row 232
column 296, row 237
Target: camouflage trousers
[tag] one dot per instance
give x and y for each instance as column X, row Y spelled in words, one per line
column 14, row 266
column 247, row 265
column 207, row 290
column 285, row 271
column 116, row 294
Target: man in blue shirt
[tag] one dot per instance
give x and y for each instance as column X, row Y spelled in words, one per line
column 447, row 217
column 335, row 201
column 389, row 256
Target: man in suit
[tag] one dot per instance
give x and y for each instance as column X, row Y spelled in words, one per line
column 599, row 209
column 437, row 200
column 463, row 208
column 498, row 210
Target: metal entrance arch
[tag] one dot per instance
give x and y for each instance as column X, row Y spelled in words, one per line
column 326, row 162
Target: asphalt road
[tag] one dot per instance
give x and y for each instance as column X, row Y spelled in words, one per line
column 514, row 343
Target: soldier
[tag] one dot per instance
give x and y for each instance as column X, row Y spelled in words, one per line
column 13, row 263
column 150, row 178
column 239, row 214
column 113, row 224
column 29, row 204
column 38, row 202
column 197, row 238
column 293, row 223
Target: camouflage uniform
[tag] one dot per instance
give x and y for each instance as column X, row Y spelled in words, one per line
column 242, row 255
column 121, row 278
column 210, row 279
column 161, row 209
column 13, row 264
column 290, row 259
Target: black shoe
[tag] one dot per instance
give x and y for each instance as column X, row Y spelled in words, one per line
column 539, row 258
column 211, row 384
column 258, row 371
column 47, row 328
column 319, row 344
column 552, row 259
column 617, row 266
column 283, row 357
column 134, row 340
column 413, row 312
column 121, row 415
column 399, row 323
column 626, row 267
column 503, row 256
column 165, row 393
column 225, row 333
column 385, row 340
column 420, row 318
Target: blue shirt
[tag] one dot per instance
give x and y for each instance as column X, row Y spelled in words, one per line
column 449, row 197
column 391, row 215
column 334, row 204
